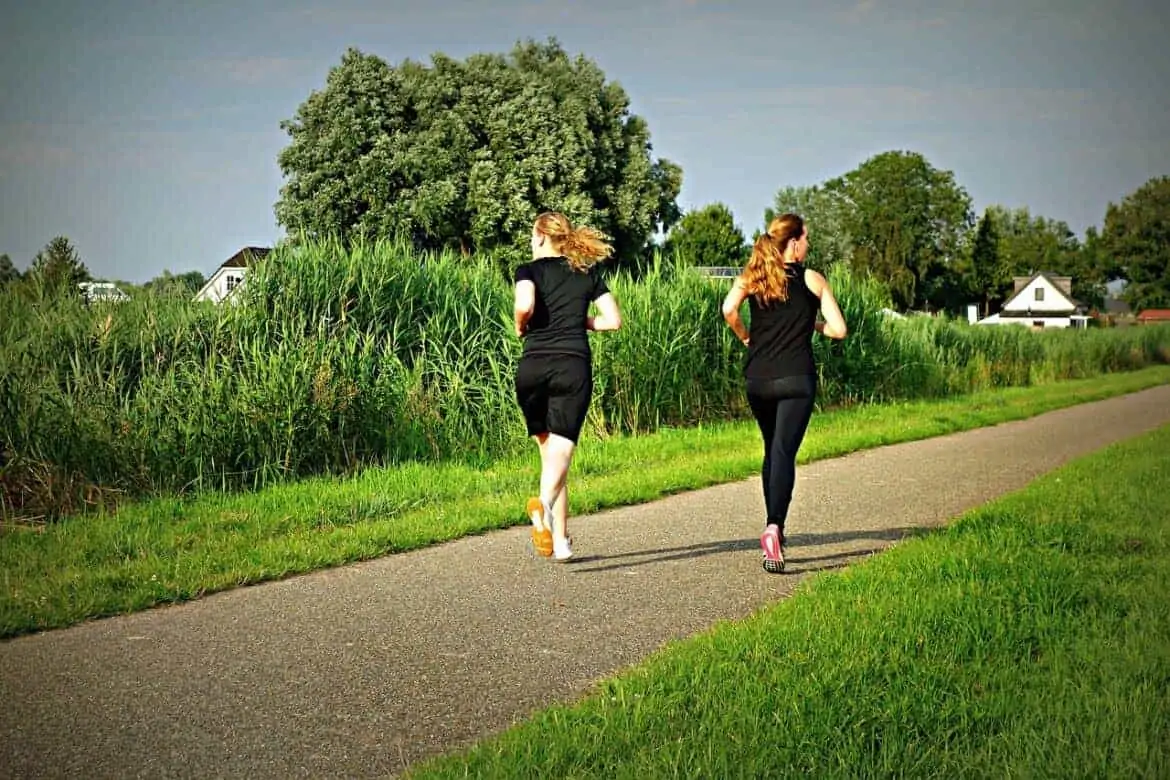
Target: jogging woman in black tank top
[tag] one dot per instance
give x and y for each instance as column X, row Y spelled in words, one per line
column 554, row 380
column 780, row 373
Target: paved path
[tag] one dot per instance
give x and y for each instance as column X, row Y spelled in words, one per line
column 360, row 670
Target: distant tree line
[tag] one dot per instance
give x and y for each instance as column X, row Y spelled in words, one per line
column 912, row 226
column 58, row 270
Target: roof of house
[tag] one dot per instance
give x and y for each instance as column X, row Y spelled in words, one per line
column 1063, row 284
column 1150, row 315
column 246, row 255
column 240, row 259
column 1059, row 281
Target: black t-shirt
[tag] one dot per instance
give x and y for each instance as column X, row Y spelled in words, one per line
column 557, row 325
column 781, row 333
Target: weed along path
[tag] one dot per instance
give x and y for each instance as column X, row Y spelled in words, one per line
column 362, row 670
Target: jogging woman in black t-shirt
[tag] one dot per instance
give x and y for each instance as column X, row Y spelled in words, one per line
column 780, row 373
column 554, row 380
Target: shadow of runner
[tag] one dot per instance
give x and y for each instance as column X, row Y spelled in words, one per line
column 744, row 545
column 834, row 561
column 836, row 537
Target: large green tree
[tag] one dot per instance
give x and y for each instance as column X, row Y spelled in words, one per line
column 908, row 222
column 58, row 268
column 1136, row 236
column 707, row 236
column 466, row 153
column 825, row 215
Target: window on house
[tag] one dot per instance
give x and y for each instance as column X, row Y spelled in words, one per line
column 1039, row 293
column 232, row 281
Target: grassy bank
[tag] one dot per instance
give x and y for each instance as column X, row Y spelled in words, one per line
column 336, row 360
column 1029, row 639
column 169, row 550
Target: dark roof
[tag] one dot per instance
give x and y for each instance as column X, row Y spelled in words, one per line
column 1049, row 274
column 1062, row 282
column 246, row 255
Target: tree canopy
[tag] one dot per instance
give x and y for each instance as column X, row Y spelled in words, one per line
column 58, row 268
column 824, row 212
column 1136, row 237
column 988, row 275
column 465, row 154
column 707, row 236
column 168, row 283
column 908, row 222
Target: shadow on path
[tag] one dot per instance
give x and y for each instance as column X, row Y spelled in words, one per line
column 743, row 545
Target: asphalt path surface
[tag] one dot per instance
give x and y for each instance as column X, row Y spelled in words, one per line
column 361, row 670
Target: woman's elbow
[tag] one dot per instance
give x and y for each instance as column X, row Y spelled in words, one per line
column 838, row 331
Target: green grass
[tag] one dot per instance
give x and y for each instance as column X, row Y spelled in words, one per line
column 1031, row 638
column 169, row 550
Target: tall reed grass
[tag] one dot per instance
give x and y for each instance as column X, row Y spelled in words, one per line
column 336, row 358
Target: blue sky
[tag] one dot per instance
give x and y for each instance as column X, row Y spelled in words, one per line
column 147, row 131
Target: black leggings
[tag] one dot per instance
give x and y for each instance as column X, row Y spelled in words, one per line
column 782, row 408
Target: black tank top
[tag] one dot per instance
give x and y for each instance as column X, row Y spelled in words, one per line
column 781, row 333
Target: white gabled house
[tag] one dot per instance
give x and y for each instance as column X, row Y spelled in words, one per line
column 230, row 275
column 1042, row 300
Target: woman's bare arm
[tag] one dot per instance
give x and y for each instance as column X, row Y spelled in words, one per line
column 524, row 305
column 610, row 317
column 731, row 304
column 834, row 322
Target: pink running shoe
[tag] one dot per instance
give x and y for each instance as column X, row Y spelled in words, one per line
column 773, row 554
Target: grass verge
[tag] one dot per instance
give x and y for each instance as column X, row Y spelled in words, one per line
column 172, row 550
column 1028, row 639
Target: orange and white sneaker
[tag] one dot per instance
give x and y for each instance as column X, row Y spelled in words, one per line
column 542, row 540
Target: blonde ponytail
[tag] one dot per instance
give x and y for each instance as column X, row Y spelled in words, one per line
column 581, row 246
column 584, row 246
column 765, row 277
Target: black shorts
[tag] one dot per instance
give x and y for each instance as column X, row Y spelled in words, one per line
column 554, row 392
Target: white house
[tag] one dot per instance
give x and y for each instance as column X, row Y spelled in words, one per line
column 102, row 292
column 1042, row 300
column 230, row 275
